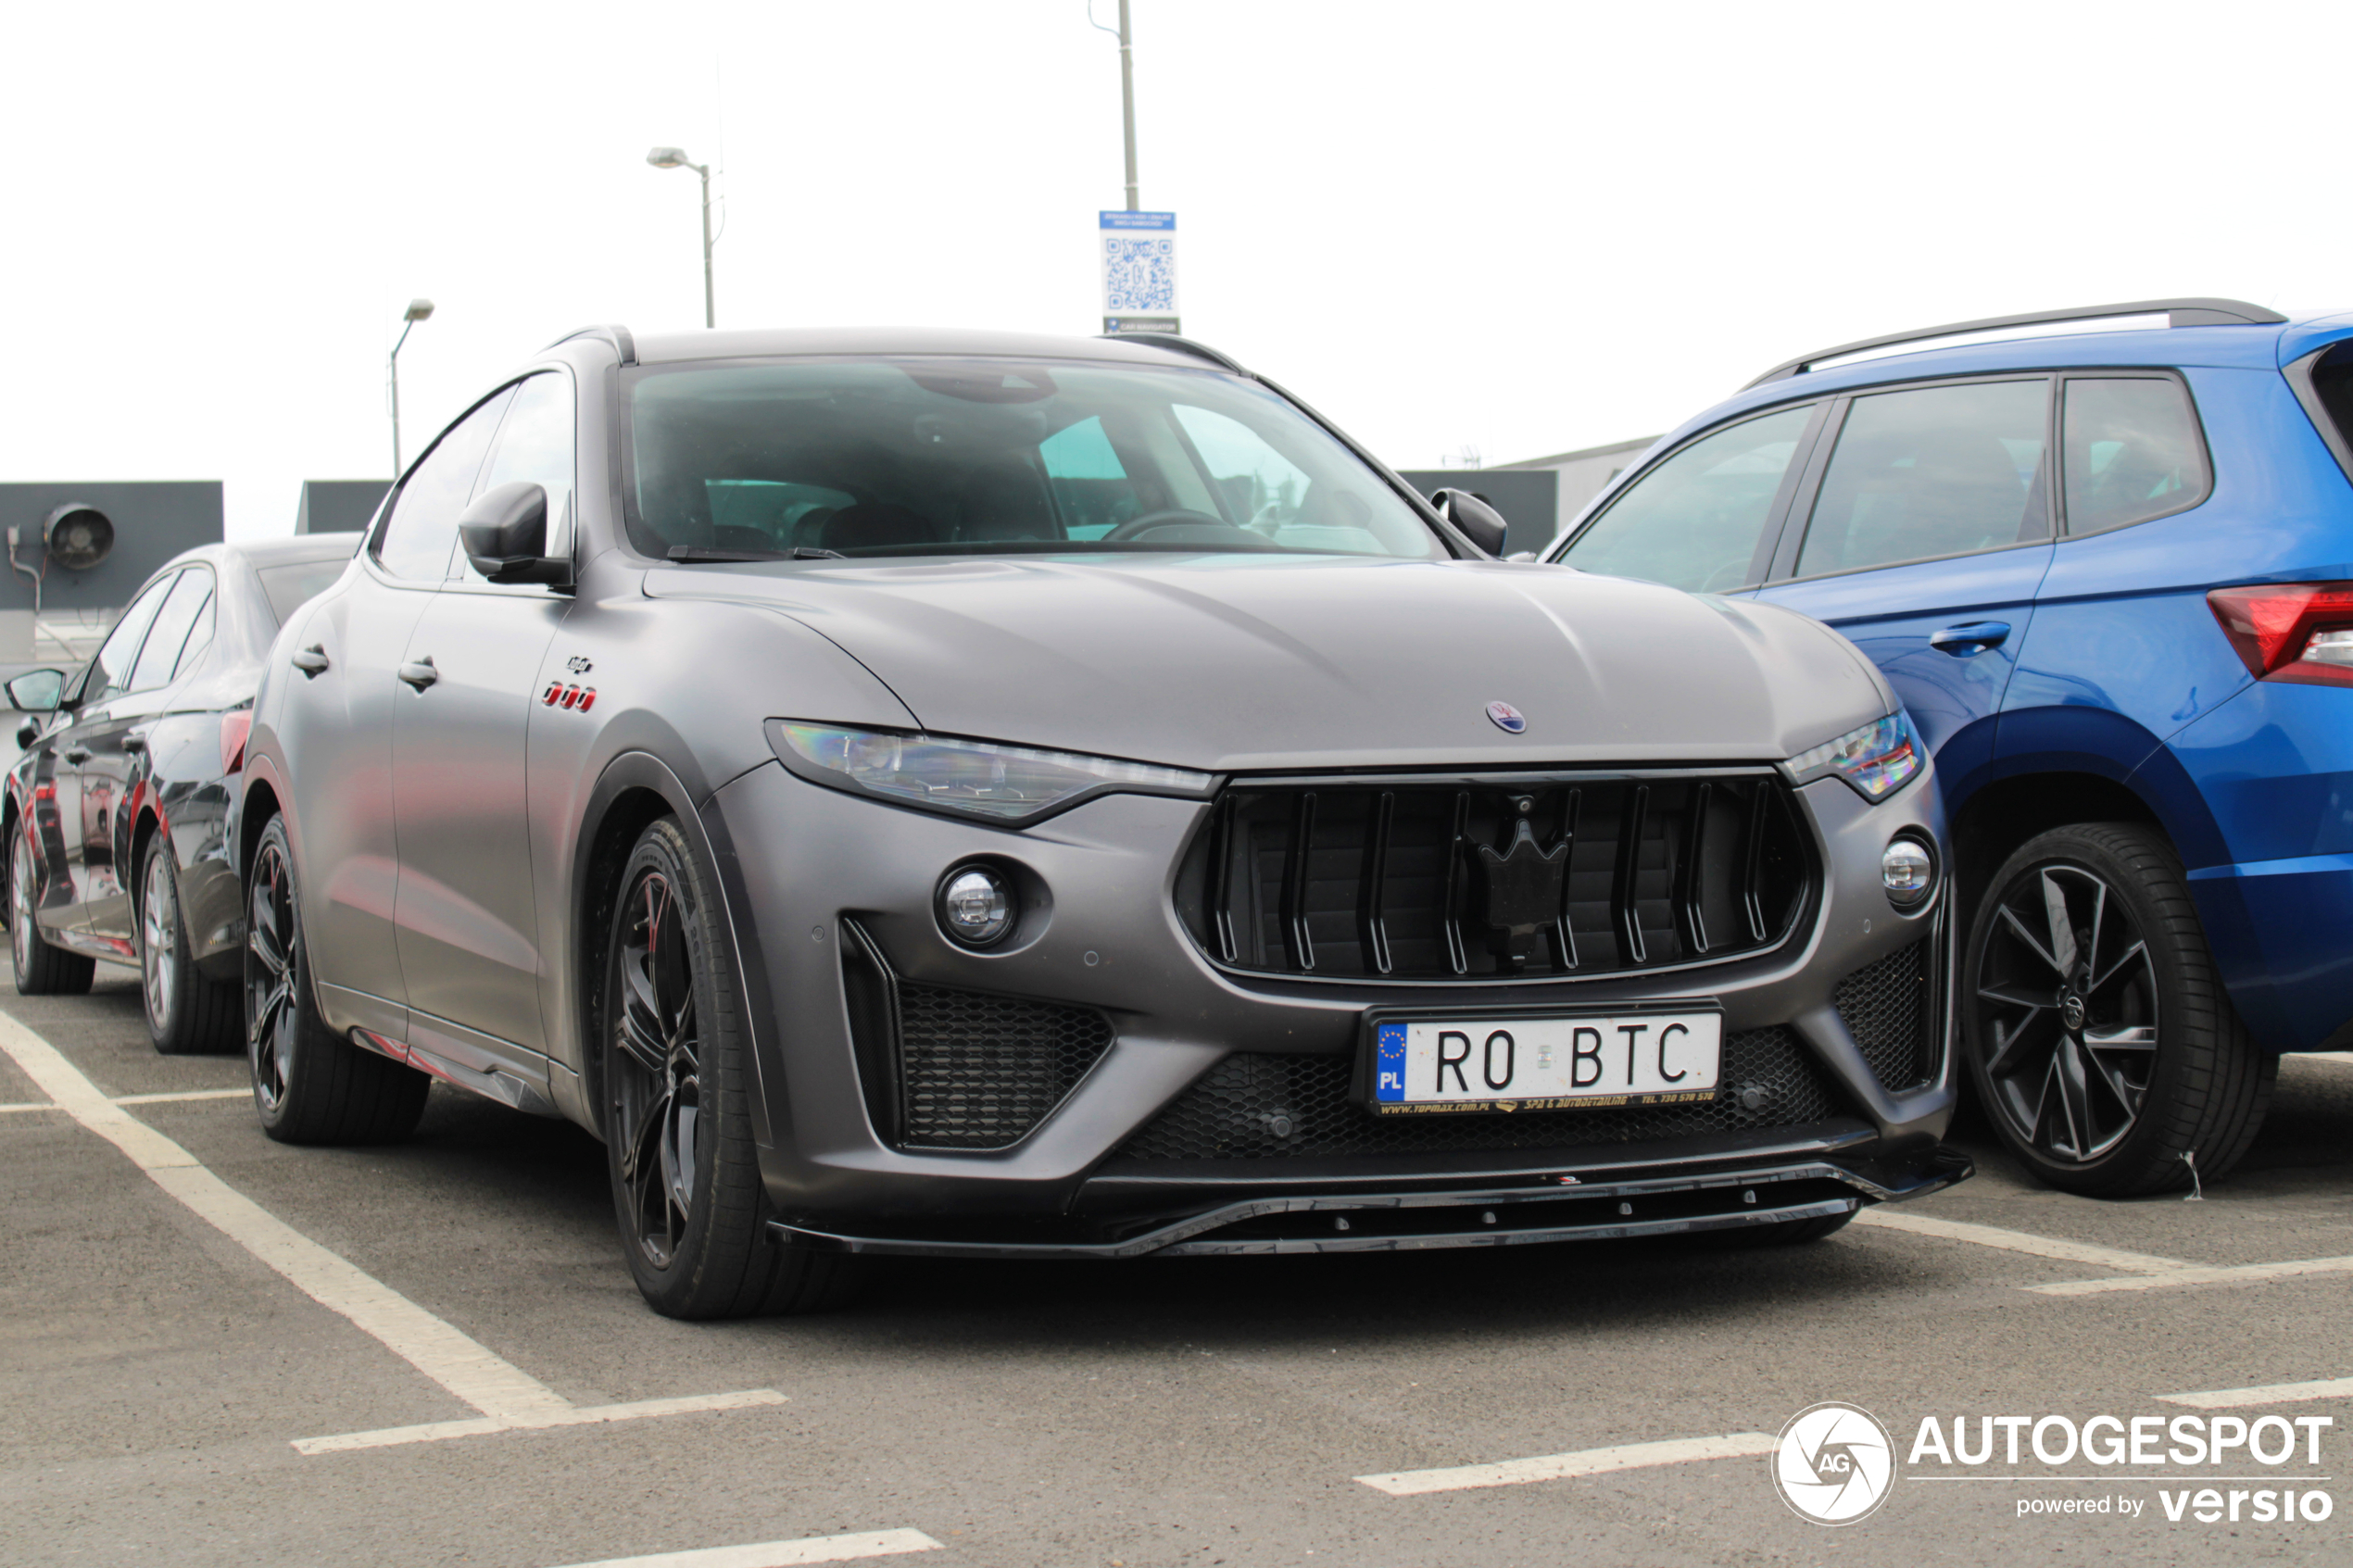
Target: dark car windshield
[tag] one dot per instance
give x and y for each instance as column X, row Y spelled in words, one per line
column 933, row 457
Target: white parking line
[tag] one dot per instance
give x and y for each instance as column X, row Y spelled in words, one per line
column 1587, row 1461
column 2265, row 1394
column 782, row 1554
column 183, row 1095
column 2019, row 1241
column 2241, row 1274
column 509, row 1397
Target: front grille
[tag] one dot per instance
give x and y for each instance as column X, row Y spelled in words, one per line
column 1260, row 1106
column 950, row 1069
column 1558, row 875
column 1889, row 1008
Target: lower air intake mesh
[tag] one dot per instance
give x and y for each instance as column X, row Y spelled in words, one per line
column 1887, row 1009
column 1255, row 1106
column 980, row 1071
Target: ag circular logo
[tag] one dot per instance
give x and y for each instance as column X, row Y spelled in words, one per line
column 1834, row 1463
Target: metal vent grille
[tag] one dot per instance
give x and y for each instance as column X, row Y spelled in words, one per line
column 980, row 1071
column 1887, row 1009
column 1260, row 1106
column 1568, row 875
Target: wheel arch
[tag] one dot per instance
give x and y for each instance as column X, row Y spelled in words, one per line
column 635, row 789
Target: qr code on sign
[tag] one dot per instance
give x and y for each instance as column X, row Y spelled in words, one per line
column 1139, row 274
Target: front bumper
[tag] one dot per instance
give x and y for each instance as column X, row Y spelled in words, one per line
column 802, row 865
column 1621, row 1204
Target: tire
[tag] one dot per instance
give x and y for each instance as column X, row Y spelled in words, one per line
column 676, row 1085
column 310, row 1084
column 2099, row 1038
column 186, row 1011
column 42, row 970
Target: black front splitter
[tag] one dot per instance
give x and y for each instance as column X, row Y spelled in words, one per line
column 1501, row 1216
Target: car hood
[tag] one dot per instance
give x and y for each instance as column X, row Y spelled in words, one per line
column 1228, row 663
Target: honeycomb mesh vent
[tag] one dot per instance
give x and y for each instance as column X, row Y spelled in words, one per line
column 1255, row 1106
column 1886, row 1009
column 980, row 1071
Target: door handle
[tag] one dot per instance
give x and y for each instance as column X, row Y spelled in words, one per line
column 1962, row 642
column 79, row 754
column 135, row 742
column 311, row 660
column 420, row 674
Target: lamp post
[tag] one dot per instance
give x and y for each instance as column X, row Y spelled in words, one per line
column 676, row 158
column 418, row 309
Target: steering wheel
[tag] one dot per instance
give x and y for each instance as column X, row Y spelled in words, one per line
column 1175, row 516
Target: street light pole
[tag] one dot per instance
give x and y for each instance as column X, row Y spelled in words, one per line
column 1128, row 100
column 418, row 309
column 674, row 157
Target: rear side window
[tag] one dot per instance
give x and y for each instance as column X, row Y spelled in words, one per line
column 1696, row 521
column 2131, row 451
column 190, row 597
column 110, row 671
column 1932, row 471
column 421, row 532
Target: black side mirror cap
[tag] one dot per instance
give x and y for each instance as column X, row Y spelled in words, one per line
column 1473, row 519
column 27, row 733
column 505, row 534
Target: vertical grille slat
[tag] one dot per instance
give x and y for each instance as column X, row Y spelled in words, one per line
column 1401, row 879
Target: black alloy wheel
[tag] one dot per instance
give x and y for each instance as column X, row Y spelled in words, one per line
column 42, row 970
column 676, row 1087
column 310, row 1084
column 187, row 1010
column 2100, row 1039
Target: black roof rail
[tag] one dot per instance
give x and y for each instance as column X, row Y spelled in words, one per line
column 2200, row 312
column 623, row 344
column 1181, row 344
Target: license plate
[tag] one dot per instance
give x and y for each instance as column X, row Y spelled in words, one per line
column 1422, row 1063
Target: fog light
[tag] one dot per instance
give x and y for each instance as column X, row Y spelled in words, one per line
column 975, row 907
column 1908, row 872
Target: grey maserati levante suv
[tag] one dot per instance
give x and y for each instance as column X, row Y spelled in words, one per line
column 928, row 793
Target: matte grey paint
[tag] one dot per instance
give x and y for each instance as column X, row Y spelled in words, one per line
column 1212, row 663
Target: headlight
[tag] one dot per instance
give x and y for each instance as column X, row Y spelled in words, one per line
column 1878, row 760
column 972, row 778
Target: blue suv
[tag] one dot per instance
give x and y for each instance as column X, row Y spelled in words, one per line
column 2110, row 572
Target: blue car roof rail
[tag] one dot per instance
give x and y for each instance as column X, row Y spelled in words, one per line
column 2199, row 312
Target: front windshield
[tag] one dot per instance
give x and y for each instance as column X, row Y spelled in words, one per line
column 920, row 457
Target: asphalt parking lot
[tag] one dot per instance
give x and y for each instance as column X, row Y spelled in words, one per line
column 222, row 1350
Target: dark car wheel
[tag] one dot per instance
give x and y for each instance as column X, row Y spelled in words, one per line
column 42, row 970
column 2100, row 1040
column 685, row 1175
column 187, row 1010
column 311, row 1084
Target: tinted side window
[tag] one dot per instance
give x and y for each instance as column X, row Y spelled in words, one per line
column 199, row 637
column 110, row 671
column 2131, row 452
column 1696, row 521
column 1937, row 471
column 189, row 598
column 422, row 529
column 534, row 443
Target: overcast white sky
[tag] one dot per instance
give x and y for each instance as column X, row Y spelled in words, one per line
column 1526, row 226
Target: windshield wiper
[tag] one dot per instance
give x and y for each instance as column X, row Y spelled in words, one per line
column 696, row 555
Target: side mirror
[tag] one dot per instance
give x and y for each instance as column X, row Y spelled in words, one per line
column 37, row 691
column 1474, row 519
column 27, row 733
column 505, row 533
